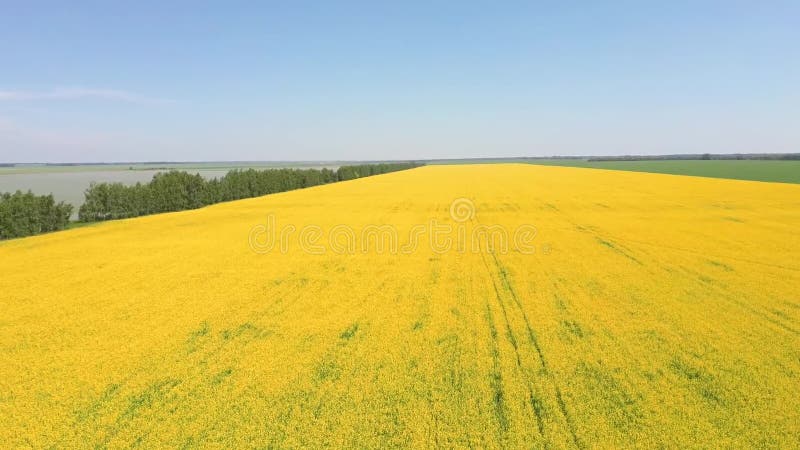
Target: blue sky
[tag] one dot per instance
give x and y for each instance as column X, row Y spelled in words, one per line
column 101, row 81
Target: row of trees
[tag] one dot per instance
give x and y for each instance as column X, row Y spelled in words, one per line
column 177, row 190
column 26, row 214
column 365, row 170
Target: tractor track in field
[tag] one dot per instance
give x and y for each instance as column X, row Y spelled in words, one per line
column 497, row 375
column 602, row 235
column 534, row 341
column 534, row 401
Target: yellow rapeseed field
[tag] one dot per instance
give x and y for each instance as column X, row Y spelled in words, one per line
column 646, row 310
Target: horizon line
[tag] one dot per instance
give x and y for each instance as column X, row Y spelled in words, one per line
column 317, row 161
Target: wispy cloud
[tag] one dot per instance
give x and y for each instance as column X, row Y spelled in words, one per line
column 79, row 93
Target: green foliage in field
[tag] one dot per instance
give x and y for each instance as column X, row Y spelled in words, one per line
column 25, row 214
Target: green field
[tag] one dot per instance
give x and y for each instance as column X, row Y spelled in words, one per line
column 756, row 170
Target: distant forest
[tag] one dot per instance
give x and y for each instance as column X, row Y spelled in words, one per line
column 687, row 156
column 678, row 157
column 704, row 156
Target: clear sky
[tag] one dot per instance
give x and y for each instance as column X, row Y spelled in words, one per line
column 296, row 80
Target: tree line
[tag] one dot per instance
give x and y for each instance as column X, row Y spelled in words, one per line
column 25, row 214
column 178, row 190
column 366, row 170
